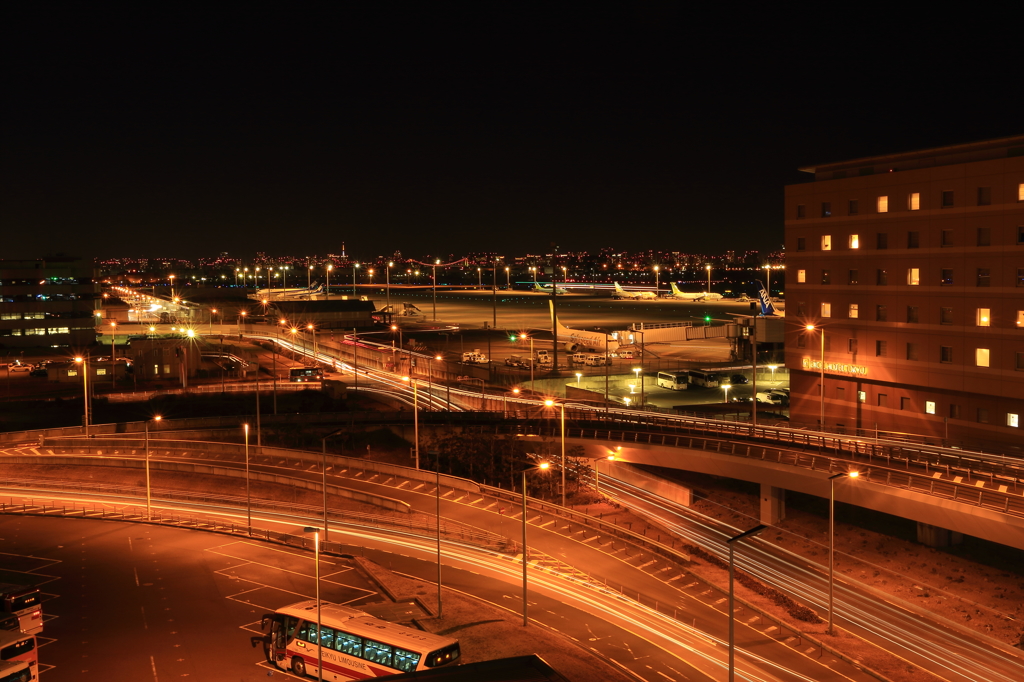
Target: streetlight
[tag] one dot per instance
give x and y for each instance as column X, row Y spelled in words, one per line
column 543, row 466
column 773, row 368
column 248, row 497
column 579, row 376
column 387, row 284
column 821, row 388
column 309, row 278
column 508, row 279
column 293, row 331
column 639, row 379
column 415, row 419
column 832, row 540
column 726, row 388
column 330, row 266
column 84, row 362
column 316, row 357
column 708, row 268
column 657, row 279
column 597, row 470
column 319, row 633
column 149, row 509
column 768, row 279
column 480, row 278
column 732, row 598
column 355, row 266
column 433, row 286
column 213, row 311
column 551, row 403
column 533, row 360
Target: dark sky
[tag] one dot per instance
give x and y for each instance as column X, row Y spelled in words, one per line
column 435, row 129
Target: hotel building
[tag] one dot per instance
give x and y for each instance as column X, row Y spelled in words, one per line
column 910, row 267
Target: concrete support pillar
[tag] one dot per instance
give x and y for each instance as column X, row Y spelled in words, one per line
column 773, row 504
column 933, row 536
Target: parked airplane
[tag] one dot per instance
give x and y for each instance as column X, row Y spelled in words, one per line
column 577, row 339
column 622, row 293
column 546, row 288
column 291, row 292
column 768, row 308
column 700, row 296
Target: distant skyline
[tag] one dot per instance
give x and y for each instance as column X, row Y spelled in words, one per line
column 291, row 129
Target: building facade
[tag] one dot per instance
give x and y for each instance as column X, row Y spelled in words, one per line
column 910, row 267
column 47, row 303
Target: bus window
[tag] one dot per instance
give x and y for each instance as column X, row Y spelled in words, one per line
column 349, row 644
column 377, row 652
column 327, row 637
column 20, row 650
column 16, row 671
column 406, row 661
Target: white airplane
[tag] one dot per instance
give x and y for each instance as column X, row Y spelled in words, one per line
column 635, row 295
column 577, row 339
column 546, row 288
column 290, row 293
column 700, row 296
column 768, row 308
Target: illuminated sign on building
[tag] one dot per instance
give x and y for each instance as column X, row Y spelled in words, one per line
column 836, row 367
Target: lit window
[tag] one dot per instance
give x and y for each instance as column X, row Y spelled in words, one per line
column 1012, row 419
column 1020, row 319
column 929, row 406
column 913, row 276
column 981, row 357
column 826, row 242
column 826, row 310
column 801, row 276
column 913, row 201
column 156, row 369
column 984, row 317
column 101, row 370
column 72, row 372
column 883, row 204
column 854, row 310
column 862, row 396
column 1020, row 192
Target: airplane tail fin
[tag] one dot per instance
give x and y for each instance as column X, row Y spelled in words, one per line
column 618, row 288
column 767, row 307
column 554, row 320
column 675, row 289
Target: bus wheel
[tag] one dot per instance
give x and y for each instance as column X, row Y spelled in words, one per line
column 299, row 666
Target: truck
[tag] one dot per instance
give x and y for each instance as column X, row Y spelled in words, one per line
column 517, row 361
column 475, row 357
column 545, row 357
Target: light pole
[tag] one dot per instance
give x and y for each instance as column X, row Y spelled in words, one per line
column 657, row 279
column 309, row 279
column 597, row 472
column 330, row 266
column 551, row 403
column 768, row 279
column 415, row 419
column 355, row 266
column 508, row 279
column 726, row 387
column 433, row 286
column 533, row 360
column 732, row 597
column 579, row 376
column 821, row 388
column 387, row 285
column 248, row 496
column 437, row 513
column 319, row 633
column 708, row 268
column 316, row 357
column 637, row 371
column 832, row 540
column 773, row 368
column 113, row 353
column 149, row 499
column 543, row 466
column 479, row 278
column 84, row 362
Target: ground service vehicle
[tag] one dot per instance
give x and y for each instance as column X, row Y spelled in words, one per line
column 597, row 361
column 19, row 647
column 17, row 671
column 474, row 356
column 353, row 644
column 699, row 377
column 302, row 374
column 25, row 603
column 677, row 381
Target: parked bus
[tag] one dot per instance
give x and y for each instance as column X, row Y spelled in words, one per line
column 353, row 644
column 302, row 374
column 25, row 603
column 17, row 646
column 17, row 671
column 699, row 377
column 677, row 381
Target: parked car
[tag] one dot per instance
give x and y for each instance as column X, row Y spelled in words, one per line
column 739, row 379
column 22, row 368
column 38, row 372
column 769, row 398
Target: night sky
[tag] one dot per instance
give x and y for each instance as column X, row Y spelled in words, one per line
column 434, row 129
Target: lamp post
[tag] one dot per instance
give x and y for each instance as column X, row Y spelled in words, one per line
column 543, row 466
column 708, row 268
column 355, row 266
column 821, row 388
column 637, row 371
column 84, row 362
column 330, row 266
column 415, row 419
column 316, row 356
column 832, row 540
column 248, row 496
column 579, row 376
column 387, row 285
column 768, row 280
column 657, row 279
column 597, row 472
column 533, row 360
column 319, row 634
column 732, row 597
column 293, row 331
column 773, row 368
column 508, row 279
column 149, row 499
column 726, row 387
column 433, row 286
column 113, row 352
column 551, row 403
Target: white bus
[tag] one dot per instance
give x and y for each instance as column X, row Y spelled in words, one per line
column 354, row 644
column 25, row 603
column 699, row 377
column 677, row 381
column 17, row 671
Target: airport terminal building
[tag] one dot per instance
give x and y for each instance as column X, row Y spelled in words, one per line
column 911, row 268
